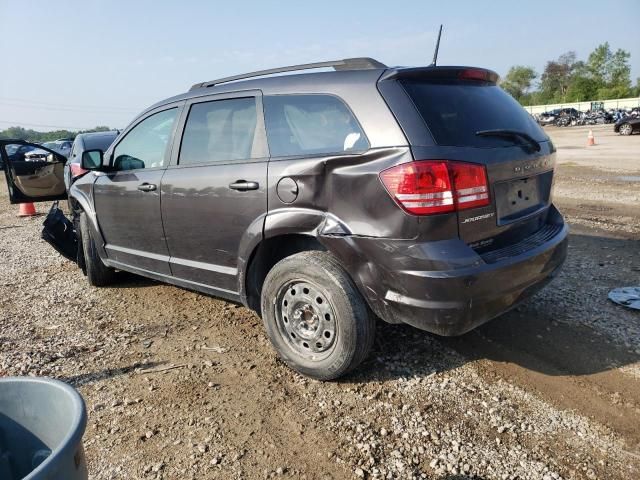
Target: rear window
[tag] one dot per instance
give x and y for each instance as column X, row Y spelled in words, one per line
column 454, row 110
column 299, row 125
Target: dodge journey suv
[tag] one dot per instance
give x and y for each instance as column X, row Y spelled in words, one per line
column 322, row 201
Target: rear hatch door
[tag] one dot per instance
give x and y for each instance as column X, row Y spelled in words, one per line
column 469, row 118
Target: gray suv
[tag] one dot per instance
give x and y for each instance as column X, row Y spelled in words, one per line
column 324, row 201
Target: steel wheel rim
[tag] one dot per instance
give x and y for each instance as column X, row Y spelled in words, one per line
column 306, row 319
column 625, row 129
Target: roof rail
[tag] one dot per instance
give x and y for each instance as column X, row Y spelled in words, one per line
column 359, row 63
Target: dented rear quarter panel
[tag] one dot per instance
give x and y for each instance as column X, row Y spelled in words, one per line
column 349, row 189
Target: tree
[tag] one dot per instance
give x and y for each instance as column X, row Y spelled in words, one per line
column 557, row 76
column 610, row 71
column 518, row 81
column 597, row 62
column 30, row 135
column 582, row 89
column 605, row 75
column 619, row 69
column 635, row 91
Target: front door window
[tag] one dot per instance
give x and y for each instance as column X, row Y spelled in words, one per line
column 145, row 146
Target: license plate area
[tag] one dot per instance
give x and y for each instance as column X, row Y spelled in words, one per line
column 522, row 197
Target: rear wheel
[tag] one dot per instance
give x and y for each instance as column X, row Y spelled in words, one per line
column 315, row 317
column 626, row 129
column 98, row 274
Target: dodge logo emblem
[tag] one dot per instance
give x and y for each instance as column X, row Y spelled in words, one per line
column 534, row 165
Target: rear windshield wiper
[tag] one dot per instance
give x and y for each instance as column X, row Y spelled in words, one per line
column 513, row 134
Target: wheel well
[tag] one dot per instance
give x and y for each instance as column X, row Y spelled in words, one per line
column 75, row 207
column 75, row 210
column 269, row 252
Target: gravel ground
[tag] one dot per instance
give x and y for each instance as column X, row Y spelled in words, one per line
column 180, row 385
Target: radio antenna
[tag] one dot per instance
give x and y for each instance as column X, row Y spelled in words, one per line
column 435, row 54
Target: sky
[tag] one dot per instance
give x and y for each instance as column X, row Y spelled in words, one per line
column 77, row 64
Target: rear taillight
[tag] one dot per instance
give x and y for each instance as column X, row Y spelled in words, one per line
column 422, row 188
column 470, row 184
column 428, row 187
column 76, row 170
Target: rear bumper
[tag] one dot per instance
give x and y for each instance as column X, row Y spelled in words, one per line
column 445, row 287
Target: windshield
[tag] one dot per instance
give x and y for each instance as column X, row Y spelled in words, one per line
column 455, row 110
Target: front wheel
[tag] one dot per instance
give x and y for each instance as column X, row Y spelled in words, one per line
column 626, row 129
column 315, row 317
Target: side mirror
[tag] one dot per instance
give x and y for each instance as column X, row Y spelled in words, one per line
column 127, row 162
column 55, row 157
column 92, row 159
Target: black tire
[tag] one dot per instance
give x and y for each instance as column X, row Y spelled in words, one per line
column 98, row 274
column 347, row 317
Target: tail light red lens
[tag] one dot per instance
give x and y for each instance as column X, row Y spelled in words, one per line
column 421, row 188
column 76, row 170
column 429, row 187
column 470, row 184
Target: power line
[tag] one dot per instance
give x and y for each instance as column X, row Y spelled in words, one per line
column 36, row 102
column 68, row 109
column 21, row 124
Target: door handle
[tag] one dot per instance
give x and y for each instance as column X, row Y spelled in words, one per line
column 147, row 187
column 243, row 185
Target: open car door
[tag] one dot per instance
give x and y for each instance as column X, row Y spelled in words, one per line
column 34, row 173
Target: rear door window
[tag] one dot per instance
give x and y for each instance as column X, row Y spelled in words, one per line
column 219, row 131
column 454, row 110
column 299, row 125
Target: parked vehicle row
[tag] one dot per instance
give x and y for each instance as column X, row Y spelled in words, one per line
column 322, row 201
column 553, row 117
column 624, row 120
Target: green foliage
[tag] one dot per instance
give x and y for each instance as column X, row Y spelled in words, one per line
column 605, row 75
column 635, row 91
column 30, row 135
column 557, row 77
column 518, row 81
column 610, row 69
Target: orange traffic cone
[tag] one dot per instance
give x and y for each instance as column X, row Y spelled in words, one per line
column 27, row 210
column 590, row 139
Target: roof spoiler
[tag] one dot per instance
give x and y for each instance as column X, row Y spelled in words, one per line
column 358, row 63
column 463, row 73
